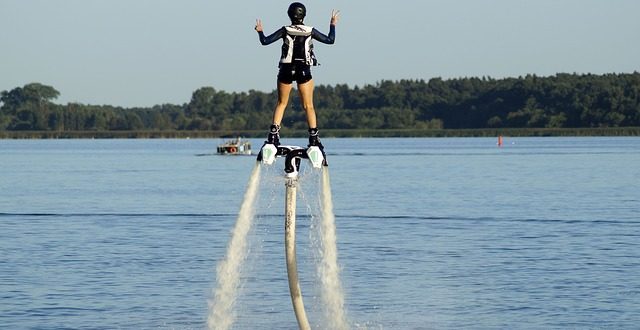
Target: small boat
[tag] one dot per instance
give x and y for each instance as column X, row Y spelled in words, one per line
column 237, row 146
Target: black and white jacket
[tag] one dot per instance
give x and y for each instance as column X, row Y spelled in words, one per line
column 297, row 42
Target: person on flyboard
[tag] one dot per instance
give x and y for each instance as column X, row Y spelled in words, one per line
column 295, row 65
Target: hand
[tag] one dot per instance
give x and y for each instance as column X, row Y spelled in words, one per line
column 258, row 25
column 335, row 15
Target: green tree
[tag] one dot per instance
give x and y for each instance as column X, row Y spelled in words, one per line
column 28, row 106
column 201, row 102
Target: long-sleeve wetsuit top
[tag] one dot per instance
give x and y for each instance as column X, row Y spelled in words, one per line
column 297, row 45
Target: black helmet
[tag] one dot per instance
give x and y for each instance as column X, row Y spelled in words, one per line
column 297, row 12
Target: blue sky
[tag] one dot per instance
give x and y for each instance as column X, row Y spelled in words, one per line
column 148, row 52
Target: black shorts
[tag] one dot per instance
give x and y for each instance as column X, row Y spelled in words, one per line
column 289, row 72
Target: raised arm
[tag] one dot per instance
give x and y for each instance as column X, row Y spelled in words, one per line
column 266, row 40
column 331, row 38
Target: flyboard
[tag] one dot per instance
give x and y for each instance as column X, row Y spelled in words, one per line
column 293, row 156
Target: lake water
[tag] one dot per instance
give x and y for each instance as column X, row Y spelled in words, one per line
column 450, row 233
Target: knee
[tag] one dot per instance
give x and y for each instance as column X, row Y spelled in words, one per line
column 308, row 106
column 282, row 103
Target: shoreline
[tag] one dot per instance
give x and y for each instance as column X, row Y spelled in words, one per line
column 327, row 133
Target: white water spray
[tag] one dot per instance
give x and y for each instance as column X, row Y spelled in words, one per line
column 328, row 269
column 229, row 271
column 221, row 313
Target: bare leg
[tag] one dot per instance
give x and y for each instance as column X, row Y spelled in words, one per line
column 283, row 99
column 306, row 96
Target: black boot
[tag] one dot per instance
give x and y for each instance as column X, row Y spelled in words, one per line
column 274, row 135
column 314, row 139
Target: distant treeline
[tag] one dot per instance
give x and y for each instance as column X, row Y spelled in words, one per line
column 531, row 102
